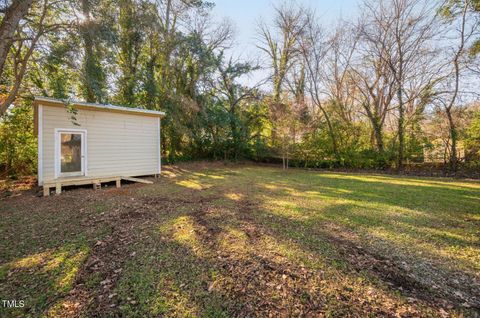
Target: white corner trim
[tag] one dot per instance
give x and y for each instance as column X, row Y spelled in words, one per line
column 40, row 145
column 85, row 152
column 159, row 146
column 57, row 150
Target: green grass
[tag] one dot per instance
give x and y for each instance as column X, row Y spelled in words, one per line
column 219, row 241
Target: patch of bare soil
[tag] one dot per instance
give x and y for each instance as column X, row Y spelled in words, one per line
column 428, row 282
column 105, row 262
column 260, row 285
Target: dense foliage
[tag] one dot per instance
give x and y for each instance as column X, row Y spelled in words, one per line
column 18, row 147
column 388, row 90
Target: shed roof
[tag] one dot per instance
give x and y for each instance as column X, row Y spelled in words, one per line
column 101, row 107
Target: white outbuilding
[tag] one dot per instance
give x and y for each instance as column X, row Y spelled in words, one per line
column 85, row 143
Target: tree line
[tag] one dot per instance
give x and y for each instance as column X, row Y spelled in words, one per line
column 397, row 85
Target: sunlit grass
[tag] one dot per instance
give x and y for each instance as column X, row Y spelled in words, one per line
column 30, row 261
column 209, row 175
column 233, row 240
column 184, row 232
column 43, row 276
column 190, row 184
column 436, row 217
column 234, row 196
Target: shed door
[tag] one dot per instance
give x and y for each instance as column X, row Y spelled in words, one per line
column 70, row 153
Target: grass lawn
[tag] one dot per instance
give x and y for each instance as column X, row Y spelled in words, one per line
column 214, row 240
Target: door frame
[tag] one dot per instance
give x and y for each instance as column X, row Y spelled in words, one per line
column 58, row 155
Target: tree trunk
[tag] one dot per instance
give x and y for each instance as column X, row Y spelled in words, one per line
column 12, row 95
column 453, row 137
column 377, row 124
column 377, row 133
column 235, row 139
column 331, row 132
column 401, row 137
column 14, row 13
column 448, row 109
column 89, row 65
column 94, row 77
column 287, row 160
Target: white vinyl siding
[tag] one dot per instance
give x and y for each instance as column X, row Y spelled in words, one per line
column 118, row 144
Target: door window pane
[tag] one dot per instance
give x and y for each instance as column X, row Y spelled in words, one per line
column 71, row 152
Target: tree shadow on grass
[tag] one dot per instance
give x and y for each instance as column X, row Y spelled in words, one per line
column 441, row 214
column 167, row 278
column 414, row 227
column 39, row 279
column 31, row 224
column 396, row 235
column 429, row 276
column 208, row 260
column 47, row 243
column 258, row 265
column 420, row 195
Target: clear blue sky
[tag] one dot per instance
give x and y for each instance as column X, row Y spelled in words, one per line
column 245, row 14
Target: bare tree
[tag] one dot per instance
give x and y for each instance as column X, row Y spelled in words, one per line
column 14, row 13
column 410, row 29
column 314, row 49
column 373, row 77
column 340, row 87
column 399, row 34
column 281, row 44
column 465, row 29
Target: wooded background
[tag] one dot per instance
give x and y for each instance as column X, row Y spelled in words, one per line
column 396, row 88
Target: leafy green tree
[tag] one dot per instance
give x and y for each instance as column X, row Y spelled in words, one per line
column 472, row 141
column 18, row 152
column 13, row 14
column 93, row 32
column 43, row 18
column 232, row 94
column 132, row 31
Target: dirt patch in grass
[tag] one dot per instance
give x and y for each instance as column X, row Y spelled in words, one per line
column 214, row 240
column 434, row 285
column 94, row 292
